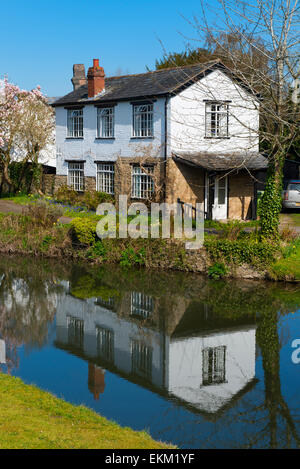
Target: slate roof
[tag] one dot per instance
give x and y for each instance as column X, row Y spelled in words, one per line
column 143, row 85
column 222, row 162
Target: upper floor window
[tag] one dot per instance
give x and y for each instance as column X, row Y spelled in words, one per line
column 141, row 305
column 76, row 176
column 105, row 177
column 105, row 122
column 142, row 120
column 75, row 331
column 142, row 182
column 75, row 123
column 214, row 365
column 141, row 359
column 216, row 119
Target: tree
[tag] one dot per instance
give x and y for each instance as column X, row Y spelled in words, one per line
column 26, row 127
column 266, row 29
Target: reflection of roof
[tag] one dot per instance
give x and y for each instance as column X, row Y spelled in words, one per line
column 222, row 162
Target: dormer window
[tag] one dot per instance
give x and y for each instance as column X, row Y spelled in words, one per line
column 216, row 119
column 142, row 120
column 105, row 122
column 75, row 123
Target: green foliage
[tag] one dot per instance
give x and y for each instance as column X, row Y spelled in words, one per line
column 89, row 199
column 217, row 270
column 270, row 204
column 84, row 230
column 241, row 251
column 288, row 267
column 98, row 250
column 130, row 257
column 188, row 57
column 43, row 214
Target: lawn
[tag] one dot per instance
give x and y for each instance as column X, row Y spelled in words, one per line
column 34, row 419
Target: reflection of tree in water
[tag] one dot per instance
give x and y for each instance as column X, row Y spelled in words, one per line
column 28, row 296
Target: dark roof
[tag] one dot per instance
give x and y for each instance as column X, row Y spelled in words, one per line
column 222, row 161
column 143, row 85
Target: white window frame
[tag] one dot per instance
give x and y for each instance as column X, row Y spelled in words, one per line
column 74, row 123
column 76, row 176
column 142, row 116
column 105, row 122
column 142, row 183
column 142, row 305
column 216, row 119
column 106, row 178
column 141, row 359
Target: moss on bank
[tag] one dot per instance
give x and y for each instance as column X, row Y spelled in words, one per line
column 31, row 418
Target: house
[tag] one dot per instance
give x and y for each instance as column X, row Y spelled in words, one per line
column 188, row 133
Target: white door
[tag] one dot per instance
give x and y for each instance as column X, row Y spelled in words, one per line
column 219, row 207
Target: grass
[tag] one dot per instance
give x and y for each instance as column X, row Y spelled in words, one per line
column 34, row 419
column 288, row 267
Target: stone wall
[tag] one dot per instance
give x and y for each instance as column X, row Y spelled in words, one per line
column 241, row 193
column 184, row 182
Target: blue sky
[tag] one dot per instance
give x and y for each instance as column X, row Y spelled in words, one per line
column 43, row 39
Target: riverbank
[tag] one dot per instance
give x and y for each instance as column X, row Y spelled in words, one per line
column 31, row 418
column 231, row 252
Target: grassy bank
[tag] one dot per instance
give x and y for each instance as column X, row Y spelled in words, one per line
column 31, row 418
column 229, row 252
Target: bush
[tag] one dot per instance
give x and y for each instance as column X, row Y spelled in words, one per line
column 218, row 270
column 130, row 257
column 43, row 214
column 240, row 251
column 89, row 199
column 66, row 195
column 84, row 230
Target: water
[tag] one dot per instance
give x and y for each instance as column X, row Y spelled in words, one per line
column 199, row 363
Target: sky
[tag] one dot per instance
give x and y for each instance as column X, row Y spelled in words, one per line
column 41, row 40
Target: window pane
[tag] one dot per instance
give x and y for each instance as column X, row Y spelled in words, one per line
column 143, row 120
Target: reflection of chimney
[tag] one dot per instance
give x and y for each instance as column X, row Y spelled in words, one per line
column 96, row 380
column 79, row 78
column 96, row 79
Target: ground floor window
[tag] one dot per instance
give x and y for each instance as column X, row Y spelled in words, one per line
column 142, row 182
column 105, row 177
column 76, row 176
column 141, row 359
column 105, row 344
column 142, row 305
column 75, row 331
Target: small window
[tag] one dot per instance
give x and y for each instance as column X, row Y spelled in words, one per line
column 142, row 182
column 105, row 344
column 76, row 176
column 141, row 359
column 75, row 123
column 213, row 365
column 105, row 122
column 105, row 177
column 75, row 331
column 216, row 120
column 142, row 305
column 143, row 120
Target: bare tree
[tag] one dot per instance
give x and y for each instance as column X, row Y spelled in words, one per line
column 269, row 29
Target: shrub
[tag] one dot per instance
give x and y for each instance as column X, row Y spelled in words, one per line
column 91, row 199
column 43, row 214
column 231, row 230
column 84, row 230
column 130, row 257
column 288, row 234
column 217, row 270
column 66, row 195
column 241, row 251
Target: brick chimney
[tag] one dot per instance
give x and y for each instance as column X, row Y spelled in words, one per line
column 79, row 78
column 96, row 79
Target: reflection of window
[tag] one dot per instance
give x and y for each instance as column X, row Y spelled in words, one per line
column 107, row 303
column 141, row 305
column 216, row 119
column 75, row 331
column 213, row 365
column 141, row 359
column 142, row 182
column 105, row 344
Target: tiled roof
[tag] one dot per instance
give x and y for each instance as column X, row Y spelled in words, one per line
column 224, row 161
column 150, row 84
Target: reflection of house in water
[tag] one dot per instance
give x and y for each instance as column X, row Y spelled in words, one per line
column 180, row 349
column 2, row 352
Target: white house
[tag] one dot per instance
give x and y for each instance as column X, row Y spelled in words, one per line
column 189, row 133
